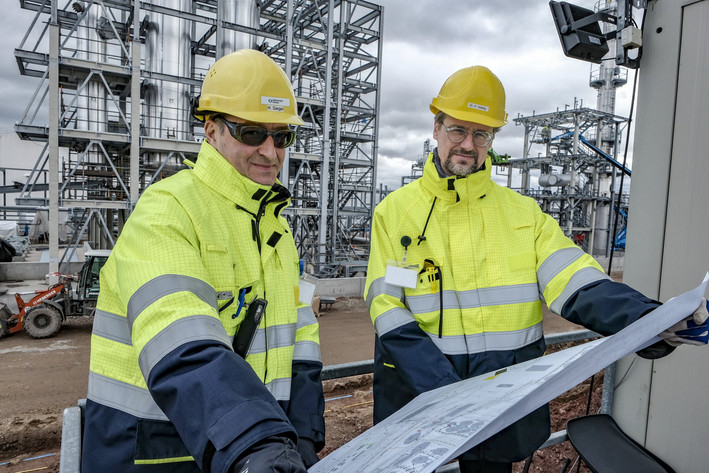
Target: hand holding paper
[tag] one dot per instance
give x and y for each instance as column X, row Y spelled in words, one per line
column 694, row 330
column 439, row 425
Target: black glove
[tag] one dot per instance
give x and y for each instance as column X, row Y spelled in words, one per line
column 274, row 454
column 656, row 350
column 306, row 448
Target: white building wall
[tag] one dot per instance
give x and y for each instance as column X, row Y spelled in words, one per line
column 660, row 403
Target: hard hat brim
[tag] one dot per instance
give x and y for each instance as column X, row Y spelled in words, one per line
column 470, row 116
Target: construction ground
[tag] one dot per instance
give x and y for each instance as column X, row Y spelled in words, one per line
column 41, row 377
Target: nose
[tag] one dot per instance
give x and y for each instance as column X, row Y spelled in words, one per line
column 268, row 148
column 467, row 143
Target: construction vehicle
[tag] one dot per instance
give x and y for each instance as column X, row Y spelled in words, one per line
column 43, row 315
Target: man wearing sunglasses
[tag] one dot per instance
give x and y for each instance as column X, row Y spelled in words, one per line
column 204, row 358
column 459, row 267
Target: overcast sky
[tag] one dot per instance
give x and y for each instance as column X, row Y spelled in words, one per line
column 425, row 41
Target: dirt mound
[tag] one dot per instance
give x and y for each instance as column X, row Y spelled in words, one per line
column 25, row 434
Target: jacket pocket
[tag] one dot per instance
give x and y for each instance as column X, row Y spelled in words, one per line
column 158, row 442
column 218, row 263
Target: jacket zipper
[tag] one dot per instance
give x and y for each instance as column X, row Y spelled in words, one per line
column 256, row 222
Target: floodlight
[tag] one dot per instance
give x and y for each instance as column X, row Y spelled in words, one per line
column 579, row 31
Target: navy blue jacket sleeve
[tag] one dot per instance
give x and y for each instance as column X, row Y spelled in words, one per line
column 216, row 402
column 608, row 307
column 417, row 359
column 307, row 405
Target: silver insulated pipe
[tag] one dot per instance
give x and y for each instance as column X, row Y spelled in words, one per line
column 92, row 107
column 240, row 12
column 167, row 51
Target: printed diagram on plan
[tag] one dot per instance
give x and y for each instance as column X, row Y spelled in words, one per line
column 439, row 425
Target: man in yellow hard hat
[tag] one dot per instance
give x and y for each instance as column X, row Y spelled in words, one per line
column 459, row 267
column 203, row 355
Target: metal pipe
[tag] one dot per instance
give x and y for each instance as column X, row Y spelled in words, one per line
column 167, row 103
column 53, row 142
column 240, row 12
column 608, row 389
column 327, row 150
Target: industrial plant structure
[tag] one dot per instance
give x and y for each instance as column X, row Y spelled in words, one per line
column 577, row 179
column 118, row 78
column 574, row 153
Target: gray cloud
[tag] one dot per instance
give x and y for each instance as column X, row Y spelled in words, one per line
column 14, row 88
column 455, row 23
column 424, row 41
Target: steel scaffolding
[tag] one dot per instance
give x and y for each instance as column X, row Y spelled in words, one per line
column 103, row 62
column 577, row 178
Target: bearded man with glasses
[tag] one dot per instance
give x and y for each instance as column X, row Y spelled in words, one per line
column 459, row 268
column 204, row 357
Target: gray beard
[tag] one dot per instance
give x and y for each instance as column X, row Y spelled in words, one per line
column 460, row 170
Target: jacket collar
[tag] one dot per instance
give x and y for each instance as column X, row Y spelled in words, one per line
column 452, row 188
column 219, row 175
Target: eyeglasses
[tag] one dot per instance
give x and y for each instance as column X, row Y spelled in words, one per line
column 253, row 135
column 457, row 135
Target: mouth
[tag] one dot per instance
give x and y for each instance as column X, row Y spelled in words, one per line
column 263, row 166
column 464, row 154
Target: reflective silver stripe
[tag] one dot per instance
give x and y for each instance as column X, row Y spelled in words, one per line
column 187, row 329
column 515, row 294
column 277, row 337
column 280, row 388
column 424, row 303
column 259, row 343
column 581, row 278
column 306, row 317
column 164, row 285
column 556, row 263
column 123, row 396
column 474, row 298
column 379, row 286
column 489, row 341
column 111, row 326
column 307, row 351
column 392, row 319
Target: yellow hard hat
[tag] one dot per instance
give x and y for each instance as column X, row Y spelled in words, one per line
column 249, row 85
column 473, row 94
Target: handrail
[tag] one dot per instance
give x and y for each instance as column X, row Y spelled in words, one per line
column 344, row 370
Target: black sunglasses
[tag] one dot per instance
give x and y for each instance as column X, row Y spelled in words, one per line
column 253, row 135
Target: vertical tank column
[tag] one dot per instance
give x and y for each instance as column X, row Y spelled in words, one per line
column 240, row 12
column 606, row 78
column 167, row 103
column 92, row 110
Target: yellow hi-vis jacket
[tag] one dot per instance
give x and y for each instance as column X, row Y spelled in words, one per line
column 166, row 390
column 486, row 258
